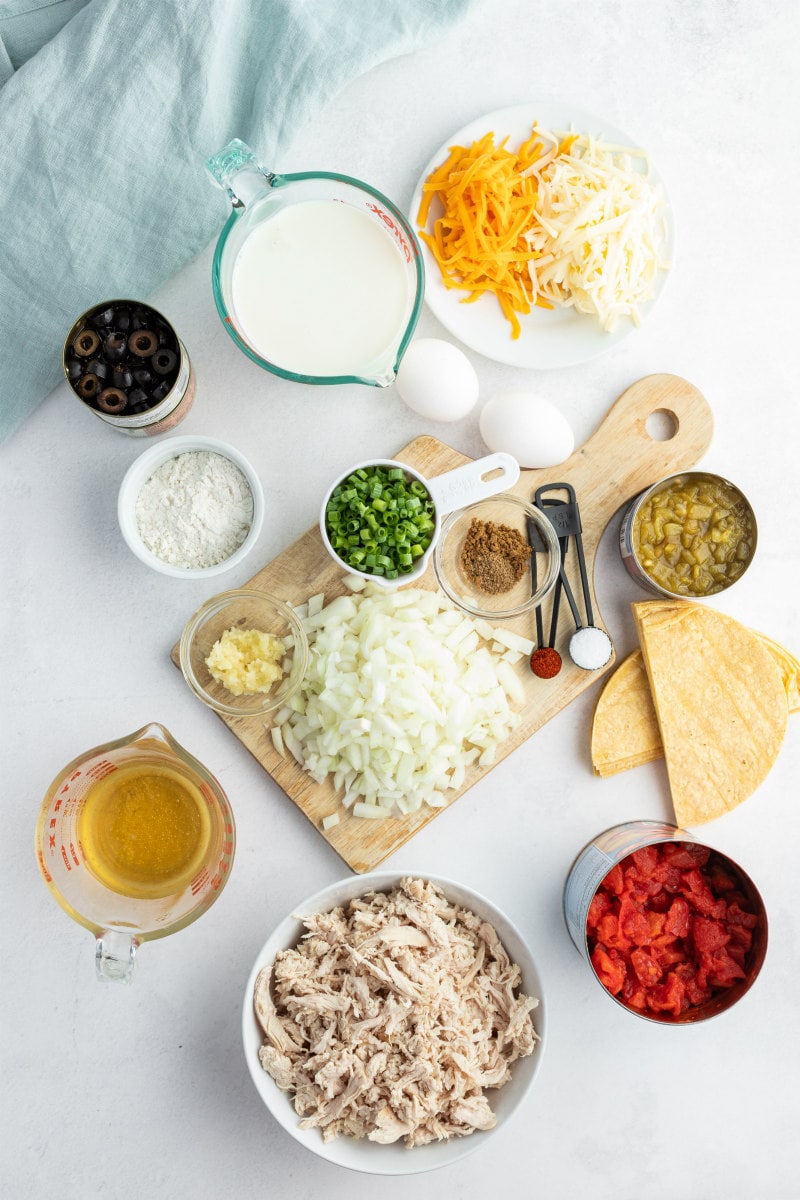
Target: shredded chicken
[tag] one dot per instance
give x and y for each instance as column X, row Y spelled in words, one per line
column 392, row 1016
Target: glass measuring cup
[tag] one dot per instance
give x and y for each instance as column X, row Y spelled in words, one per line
column 121, row 919
column 452, row 490
column 259, row 195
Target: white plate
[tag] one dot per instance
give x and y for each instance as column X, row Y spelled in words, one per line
column 558, row 338
column 361, row 1154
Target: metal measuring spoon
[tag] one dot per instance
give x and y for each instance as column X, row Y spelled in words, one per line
column 590, row 647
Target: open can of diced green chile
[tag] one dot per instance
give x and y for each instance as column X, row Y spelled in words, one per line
column 124, row 360
column 703, row 926
column 661, row 577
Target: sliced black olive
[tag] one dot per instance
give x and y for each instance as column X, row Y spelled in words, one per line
column 99, row 368
column 144, row 376
column 112, row 400
column 160, row 391
column 140, row 319
column 138, row 396
column 74, row 368
column 122, row 377
column 115, row 347
column 122, row 320
column 142, row 343
column 105, row 317
column 164, row 361
column 88, row 387
column 86, row 343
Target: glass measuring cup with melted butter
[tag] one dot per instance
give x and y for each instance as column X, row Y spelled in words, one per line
column 317, row 277
column 135, row 840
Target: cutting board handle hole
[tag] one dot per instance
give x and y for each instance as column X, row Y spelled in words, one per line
column 662, row 425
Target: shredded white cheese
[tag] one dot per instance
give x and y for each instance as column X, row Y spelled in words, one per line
column 599, row 232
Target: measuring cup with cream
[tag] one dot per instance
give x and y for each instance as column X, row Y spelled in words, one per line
column 452, row 490
column 317, row 277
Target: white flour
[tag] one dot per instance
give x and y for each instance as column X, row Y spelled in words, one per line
column 195, row 509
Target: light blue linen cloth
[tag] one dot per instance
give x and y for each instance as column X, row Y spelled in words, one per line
column 105, row 130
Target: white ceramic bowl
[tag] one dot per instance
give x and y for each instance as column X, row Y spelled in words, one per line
column 361, row 1154
column 140, row 471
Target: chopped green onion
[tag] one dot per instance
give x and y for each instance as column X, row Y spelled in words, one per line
column 379, row 521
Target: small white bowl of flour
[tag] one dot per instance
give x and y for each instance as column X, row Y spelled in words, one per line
column 190, row 507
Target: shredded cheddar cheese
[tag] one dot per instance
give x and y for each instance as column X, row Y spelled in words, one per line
column 567, row 220
column 489, row 203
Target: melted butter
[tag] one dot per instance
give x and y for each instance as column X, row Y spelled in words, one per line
column 145, row 830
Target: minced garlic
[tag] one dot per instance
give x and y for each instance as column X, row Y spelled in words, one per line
column 246, row 661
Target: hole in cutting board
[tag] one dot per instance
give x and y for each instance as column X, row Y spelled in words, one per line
column 662, row 425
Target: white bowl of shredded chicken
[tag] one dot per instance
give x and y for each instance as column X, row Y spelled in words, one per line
column 392, row 1022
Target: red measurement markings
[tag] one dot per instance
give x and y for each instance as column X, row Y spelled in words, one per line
column 394, row 228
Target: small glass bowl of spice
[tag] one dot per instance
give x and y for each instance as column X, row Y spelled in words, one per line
column 689, row 536
column 497, row 558
column 191, row 507
column 244, row 653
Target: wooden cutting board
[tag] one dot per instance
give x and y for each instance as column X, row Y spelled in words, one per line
column 618, row 461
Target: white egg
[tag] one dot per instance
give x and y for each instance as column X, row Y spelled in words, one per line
column 530, row 428
column 437, row 380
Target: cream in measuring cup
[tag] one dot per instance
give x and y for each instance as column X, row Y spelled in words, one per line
column 380, row 536
column 317, row 277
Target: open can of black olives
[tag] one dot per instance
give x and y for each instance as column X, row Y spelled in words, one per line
column 688, row 536
column 125, row 362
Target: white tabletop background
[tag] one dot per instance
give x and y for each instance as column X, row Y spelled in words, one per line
column 142, row 1091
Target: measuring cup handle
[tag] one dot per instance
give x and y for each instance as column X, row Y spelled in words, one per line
column 114, row 955
column 463, row 486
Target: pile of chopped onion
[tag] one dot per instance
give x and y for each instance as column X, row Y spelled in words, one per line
column 403, row 694
column 598, row 232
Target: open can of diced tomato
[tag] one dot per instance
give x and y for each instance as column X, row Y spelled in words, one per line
column 673, row 930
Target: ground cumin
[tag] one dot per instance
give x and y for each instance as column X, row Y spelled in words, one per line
column 494, row 557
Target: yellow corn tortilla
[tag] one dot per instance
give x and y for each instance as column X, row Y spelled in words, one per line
column 625, row 730
column 720, row 702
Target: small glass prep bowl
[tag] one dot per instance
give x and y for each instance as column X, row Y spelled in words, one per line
column 516, row 513
column 242, row 608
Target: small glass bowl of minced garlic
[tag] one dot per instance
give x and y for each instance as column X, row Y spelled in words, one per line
column 244, row 653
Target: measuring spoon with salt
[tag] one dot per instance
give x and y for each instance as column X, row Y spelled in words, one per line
column 590, row 647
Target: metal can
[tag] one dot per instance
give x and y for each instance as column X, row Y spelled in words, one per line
column 176, row 386
column 627, row 548
column 609, row 848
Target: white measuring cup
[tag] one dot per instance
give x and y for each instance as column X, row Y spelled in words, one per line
column 454, row 489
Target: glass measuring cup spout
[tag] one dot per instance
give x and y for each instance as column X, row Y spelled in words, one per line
column 317, row 277
column 135, row 840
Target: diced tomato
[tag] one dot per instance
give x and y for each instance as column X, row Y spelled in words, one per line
column 676, row 854
column 723, row 970
column 719, row 879
column 709, row 936
column 608, row 932
column 646, row 859
column 614, row 881
column 598, row 908
column 648, row 972
column 668, row 927
column 736, row 915
column 670, row 877
column 700, row 854
column 611, row 973
column 740, row 936
column 668, row 996
column 678, row 918
column 656, row 921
